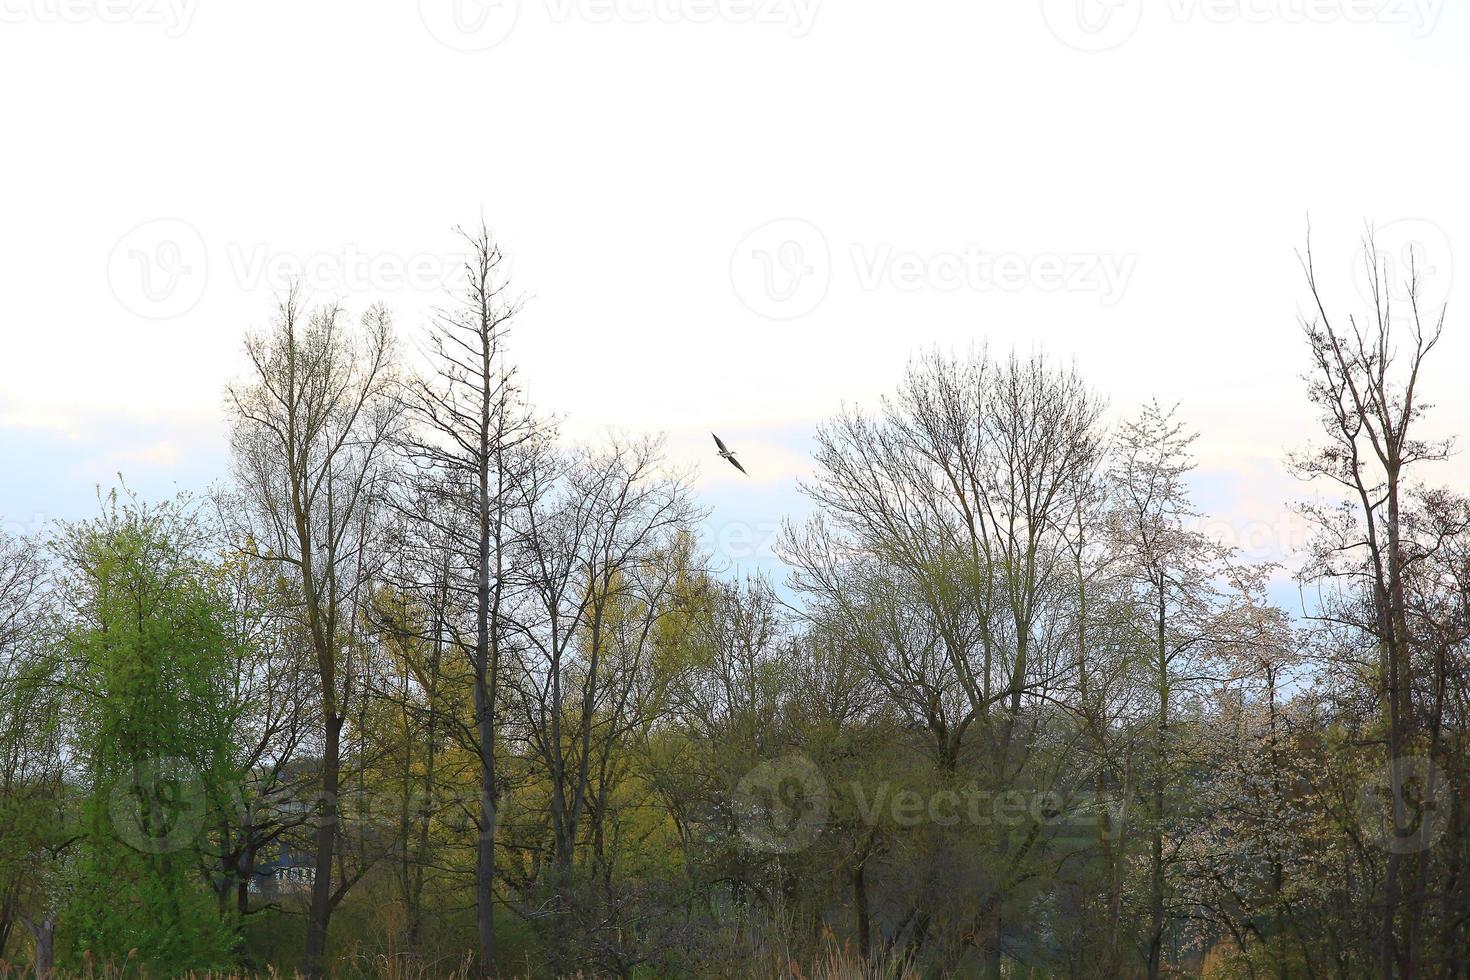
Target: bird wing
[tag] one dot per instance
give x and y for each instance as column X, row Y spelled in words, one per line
column 719, row 443
column 736, row 463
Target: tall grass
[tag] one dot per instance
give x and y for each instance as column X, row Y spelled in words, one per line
column 833, row 961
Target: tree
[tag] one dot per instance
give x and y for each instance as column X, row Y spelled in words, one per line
column 466, row 422
column 32, row 752
column 1172, row 572
column 1370, row 408
column 956, row 496
column 312, row 427
column 426, row 749
column 600, row 527
column 147, row 647
column 266, row 708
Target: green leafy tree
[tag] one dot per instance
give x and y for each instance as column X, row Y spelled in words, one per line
column 147, row 644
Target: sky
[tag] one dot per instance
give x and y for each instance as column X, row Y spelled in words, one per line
column 723, row 215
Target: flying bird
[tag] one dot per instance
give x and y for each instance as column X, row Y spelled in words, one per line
column 726, row 454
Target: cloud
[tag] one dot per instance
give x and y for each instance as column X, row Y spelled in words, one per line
column 55, row 460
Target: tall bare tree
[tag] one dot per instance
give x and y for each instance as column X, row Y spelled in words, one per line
column 312, row 426
column 1365, row 384
column 467, row 421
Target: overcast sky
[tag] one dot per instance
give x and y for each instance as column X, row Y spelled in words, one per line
column 724, row 214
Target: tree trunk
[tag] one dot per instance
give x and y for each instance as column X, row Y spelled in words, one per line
column 990, row 953
column 1156, row 857
column 247, row 875
column 320, row 914
column 44, row 934
column 485, row 665
column 485, row 849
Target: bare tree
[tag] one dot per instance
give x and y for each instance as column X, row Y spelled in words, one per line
column 600, row 531
column 468, row 421
column 1367, row 393
column 960, row 490
column 311, row 429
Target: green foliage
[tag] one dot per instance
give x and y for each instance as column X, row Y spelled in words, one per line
column 147, row 647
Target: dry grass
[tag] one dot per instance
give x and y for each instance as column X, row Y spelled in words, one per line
column 843, row 963
column 833, row 962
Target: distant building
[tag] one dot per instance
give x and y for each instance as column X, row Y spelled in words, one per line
column 290, row 872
